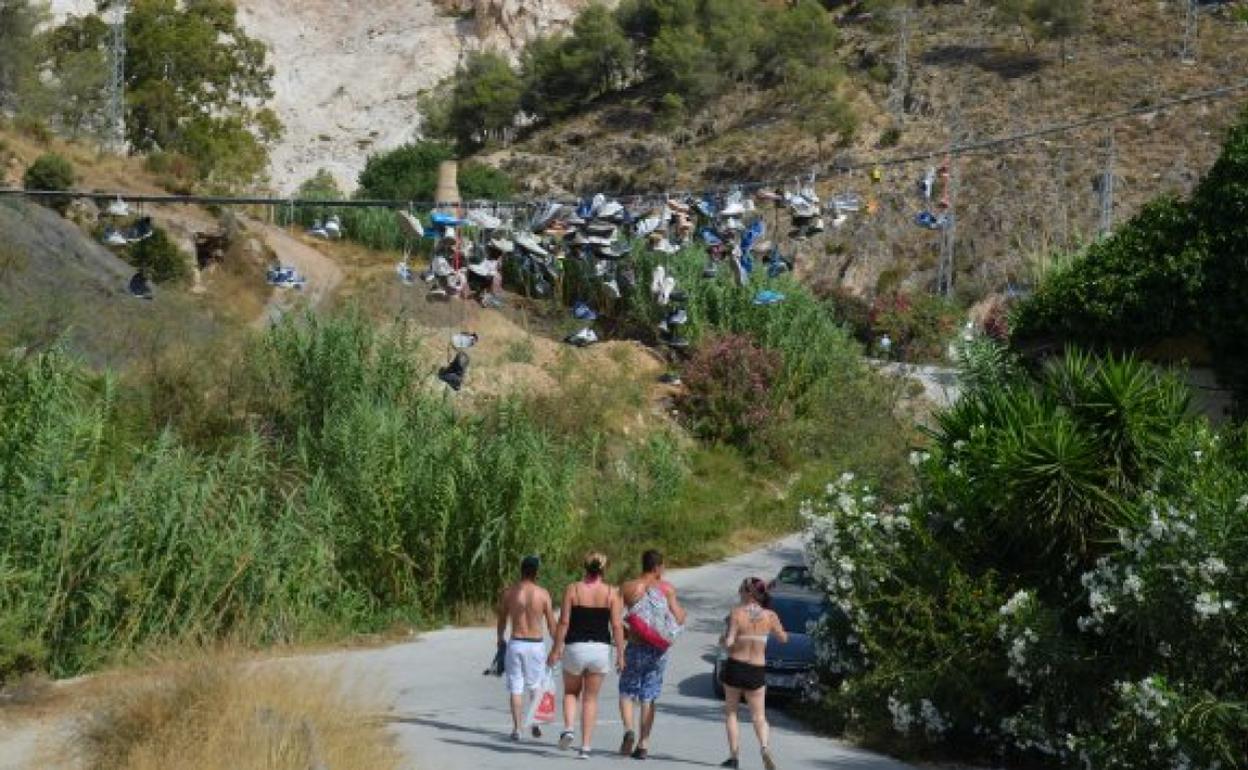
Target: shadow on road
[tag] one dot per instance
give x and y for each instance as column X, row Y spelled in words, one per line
column 697, row 686
column 492, row 739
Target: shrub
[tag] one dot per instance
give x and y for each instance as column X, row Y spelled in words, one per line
column 730, row 396
column 1173, row 270
column 1073, row 531
column 159, row 257
column 50, row 172
column 410, row 173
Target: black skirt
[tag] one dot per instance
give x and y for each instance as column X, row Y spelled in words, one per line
column 742, row 675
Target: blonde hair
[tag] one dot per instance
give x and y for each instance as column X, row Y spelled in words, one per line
column 595, row 563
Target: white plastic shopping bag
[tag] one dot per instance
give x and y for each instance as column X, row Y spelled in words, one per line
column 542, row 707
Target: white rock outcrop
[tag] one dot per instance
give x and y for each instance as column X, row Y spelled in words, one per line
column 348, row 72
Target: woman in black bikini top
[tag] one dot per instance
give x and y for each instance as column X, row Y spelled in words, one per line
column 743, row 674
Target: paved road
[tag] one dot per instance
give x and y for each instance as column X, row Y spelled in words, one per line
column 448, row 717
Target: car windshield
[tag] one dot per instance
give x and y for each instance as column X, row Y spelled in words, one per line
column 794, row 575
column 797, row 614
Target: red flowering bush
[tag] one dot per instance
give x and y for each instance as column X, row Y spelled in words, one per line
column 730, row 396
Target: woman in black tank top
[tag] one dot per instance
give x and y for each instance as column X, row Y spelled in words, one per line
column 591, row 619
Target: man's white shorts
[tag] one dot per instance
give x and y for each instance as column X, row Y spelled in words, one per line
column 525, row 664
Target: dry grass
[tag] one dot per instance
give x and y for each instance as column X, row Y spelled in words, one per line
column 219, row 715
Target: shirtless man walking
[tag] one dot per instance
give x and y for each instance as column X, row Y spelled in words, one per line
column 642, row 677
column 524, row 606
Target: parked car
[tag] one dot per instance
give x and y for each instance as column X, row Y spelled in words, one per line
column 790, row 666
column 797, row 575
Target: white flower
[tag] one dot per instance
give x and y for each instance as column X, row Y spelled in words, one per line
column 1017, row 602
column 1211, row 568
column 903, row 718
column 1208, row 604
column 1134, row 585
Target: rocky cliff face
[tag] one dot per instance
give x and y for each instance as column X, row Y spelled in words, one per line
column 348, row 72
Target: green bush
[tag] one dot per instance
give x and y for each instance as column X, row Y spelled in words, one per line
column 410, row 173
column 50, row 172
column 1073, row 531
column 159, row 258
column 1175, row 269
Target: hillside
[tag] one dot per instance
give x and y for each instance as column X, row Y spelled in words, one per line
column 1015, row 205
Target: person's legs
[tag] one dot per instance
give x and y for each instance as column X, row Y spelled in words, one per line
column 514, row 666
column 732, row 701
column 626, row 716
column 589, row 707
column 517, row 712
column 757, row 700
column 647, row 723
column 571, row 693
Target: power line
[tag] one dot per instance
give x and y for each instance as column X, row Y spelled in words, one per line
column 836, row 167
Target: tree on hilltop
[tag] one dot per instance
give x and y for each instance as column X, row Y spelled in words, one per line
column 1038, row 20
column 197, row 84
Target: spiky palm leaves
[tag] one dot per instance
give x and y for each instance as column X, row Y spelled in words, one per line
column 1040, row 469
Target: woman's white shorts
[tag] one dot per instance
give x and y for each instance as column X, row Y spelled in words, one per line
column 587, row 658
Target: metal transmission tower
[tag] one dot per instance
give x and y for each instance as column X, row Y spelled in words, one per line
column 115, row 131
column 1107, row 186
column 901, row 78
column 1191, row 26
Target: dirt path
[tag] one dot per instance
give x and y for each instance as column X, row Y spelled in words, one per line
column 323, row 274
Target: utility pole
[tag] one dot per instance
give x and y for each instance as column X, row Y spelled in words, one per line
column 949, row 230
column 901, row 78
column 1191, row 26
column 116, row 115
column 1107, row 186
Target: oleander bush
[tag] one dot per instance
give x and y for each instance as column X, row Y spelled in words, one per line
column 1065, row 589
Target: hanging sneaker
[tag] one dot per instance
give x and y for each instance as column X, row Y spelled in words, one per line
column 463, row 340
column 656, row 281
column 410, row 225
column 453, row 374
column 333, row 227
column 583, row 312
column 484, row 219
column 404, row 271
column 583, row 338
column 665, row 294
column 118, row 208
column 678, row 318
column 115, row 238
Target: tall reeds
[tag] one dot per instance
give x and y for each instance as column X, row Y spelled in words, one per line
column 360, row 498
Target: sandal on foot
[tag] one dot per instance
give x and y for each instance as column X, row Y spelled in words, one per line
column 731, row 762
column 626, row 746
column 565, row 739
column 640, row 753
